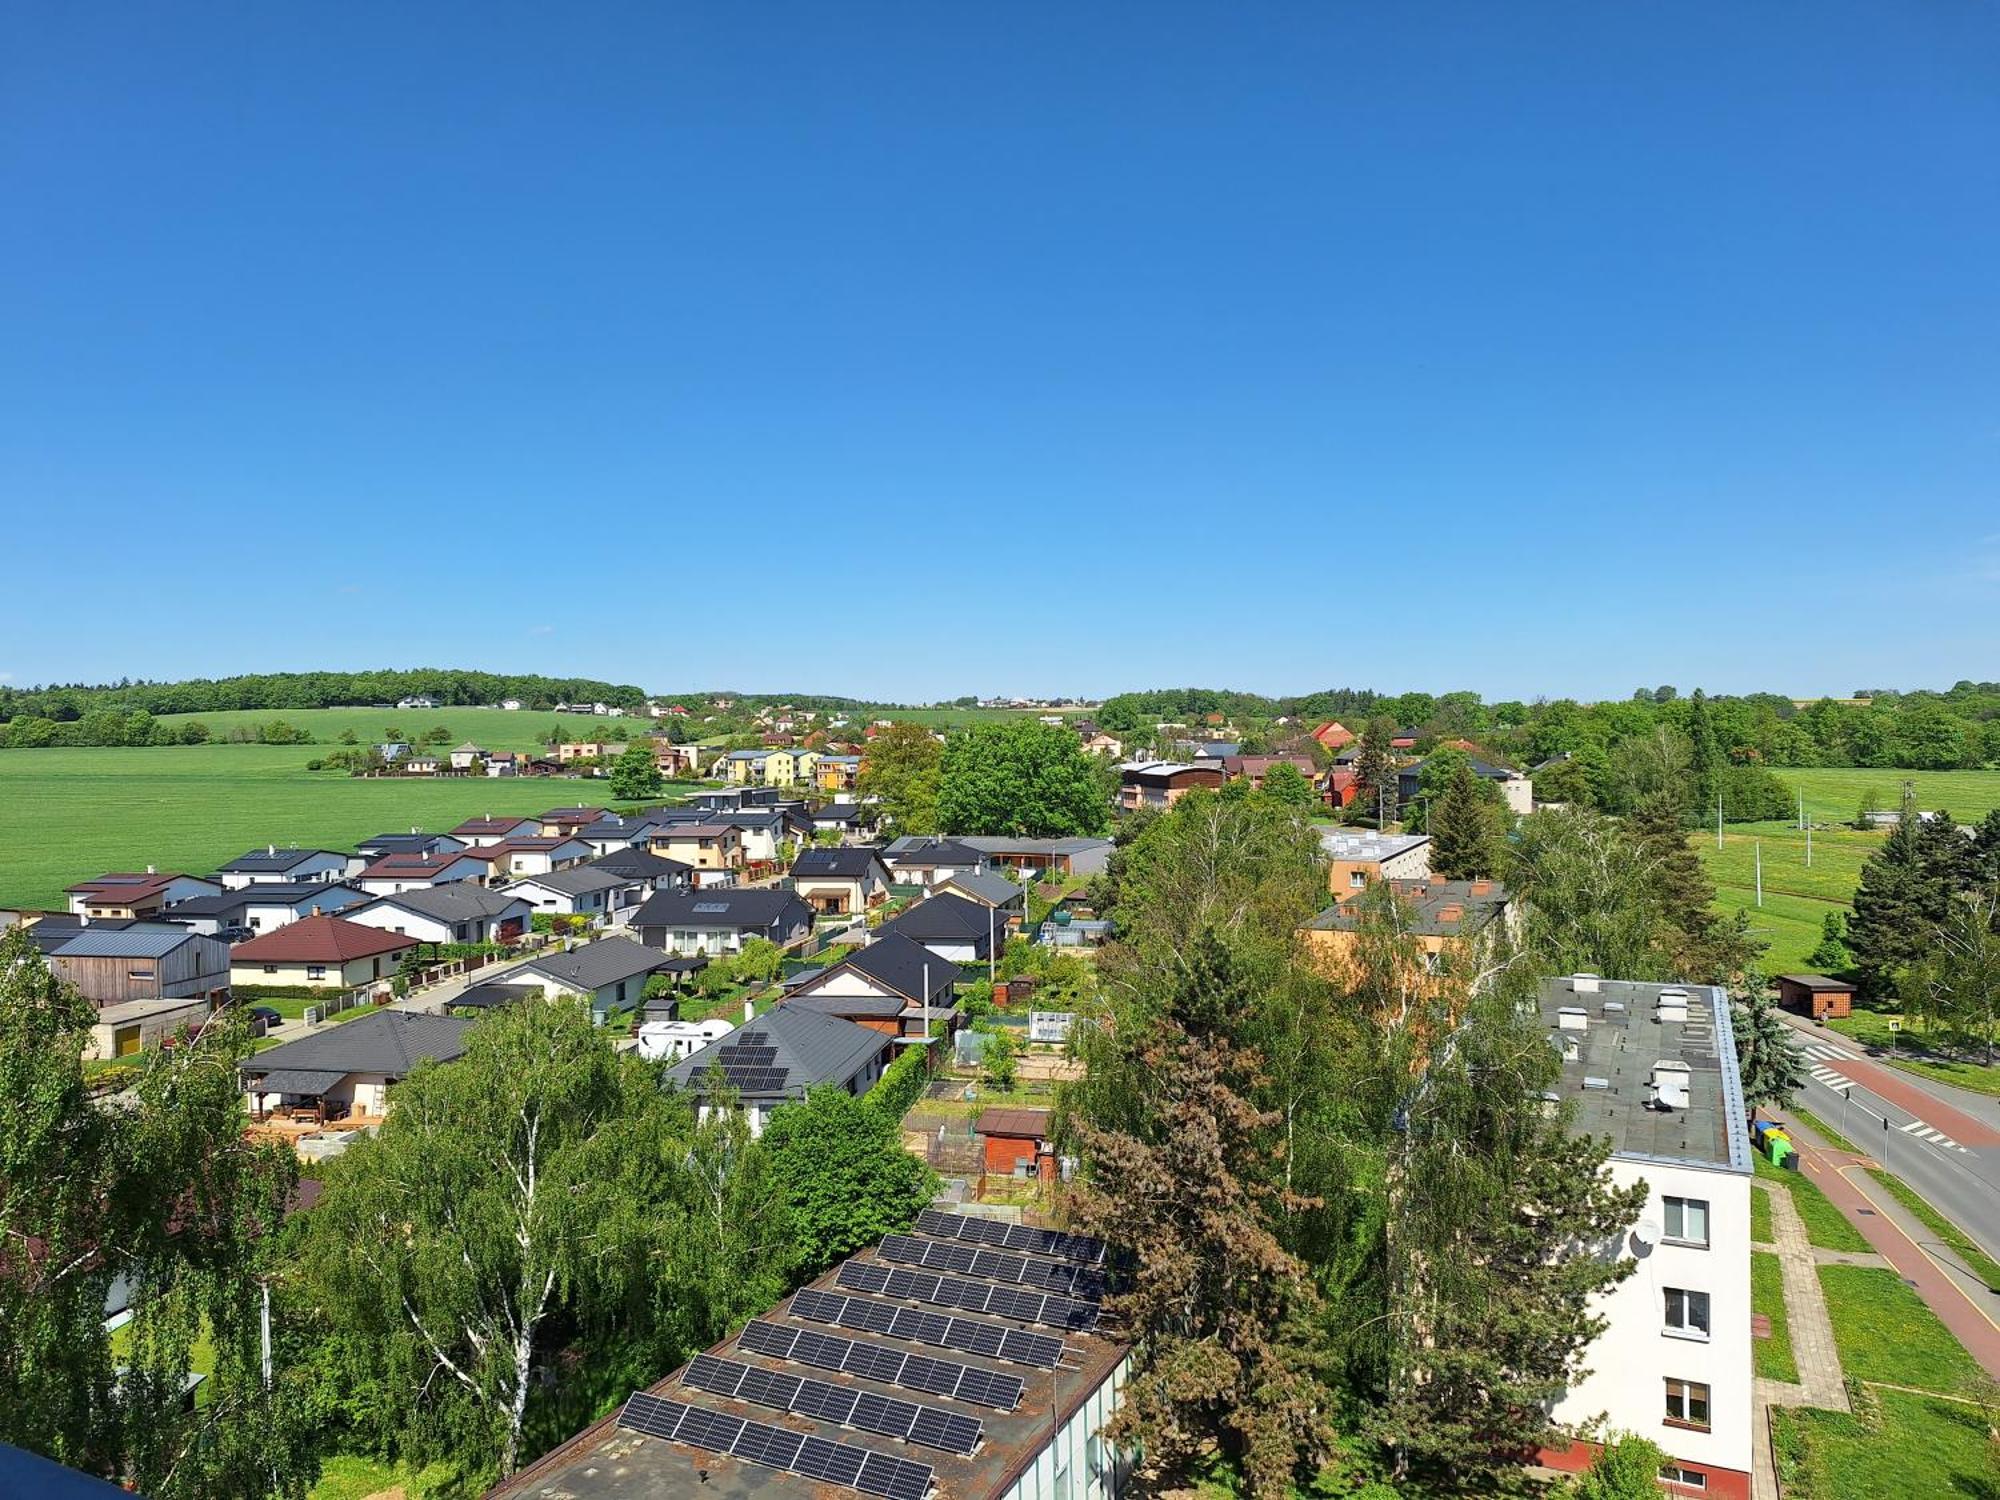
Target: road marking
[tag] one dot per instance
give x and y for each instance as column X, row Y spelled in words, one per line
column 1830, row 1078
column 1823, row 1052
column 1930, row 1133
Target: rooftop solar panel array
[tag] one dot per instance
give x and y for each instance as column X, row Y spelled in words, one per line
column 986, row 1339
column 842, row 1405
column 919, row 1372
column 950, row 1226
column 1062, row 1278
column 781, row 1448
column 973, row 1296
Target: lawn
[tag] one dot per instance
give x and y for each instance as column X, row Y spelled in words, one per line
column 1886, row 1333
column 494, row 728
column 1760, row 1217
column 1767, row 1296
column 1835, row 794
column 1826, row 1226
column 1915, row 1448
column 349, row 1476
column 66, row 815
column 1871, row 1029
column 1976, row 1260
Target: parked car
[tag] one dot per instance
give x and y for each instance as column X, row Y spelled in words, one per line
column 262, row 1019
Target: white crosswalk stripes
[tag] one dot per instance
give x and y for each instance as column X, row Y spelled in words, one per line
column 1930, row 1133
column 1832, row 1079
column 1827, row 1052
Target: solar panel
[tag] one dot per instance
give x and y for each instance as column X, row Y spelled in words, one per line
column 1081, row 1248
column 973, row 1296
column 773, row 1339
column 917, row 1327
column 843, row 1406
column 781, row 1448
column 995, row 1265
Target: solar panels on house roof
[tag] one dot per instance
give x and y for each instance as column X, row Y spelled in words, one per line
column 974, row 1296
column 842, row 1405
column 949, row 1226
column 973, row 1337
column 778, row 1448
column 919, row 1372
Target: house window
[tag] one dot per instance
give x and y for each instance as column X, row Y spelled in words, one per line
column 315, row 971
column 270, row 968
column 1687, row 1221
column 1687, row 1404
column 1356, row 879
column 140, row 974
column 1685, row 1478
column 1686, row 1313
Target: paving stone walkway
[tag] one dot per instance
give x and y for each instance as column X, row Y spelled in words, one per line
column 1813, row 1349
column 1851, row 1258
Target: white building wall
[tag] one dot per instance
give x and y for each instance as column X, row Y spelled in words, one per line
column 1636, row 1355
column 1079, row 1464
column 410, row 924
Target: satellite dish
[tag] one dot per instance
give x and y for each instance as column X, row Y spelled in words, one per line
column 1673, row 1094
column 1646, row 1233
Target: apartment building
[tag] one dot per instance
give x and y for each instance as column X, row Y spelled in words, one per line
column 1653, row 1067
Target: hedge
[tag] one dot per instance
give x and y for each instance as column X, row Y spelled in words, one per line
column 901, row 1085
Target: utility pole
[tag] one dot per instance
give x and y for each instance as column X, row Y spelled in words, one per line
column 1758, row 846
column 1718, row 819
column 1809, row 846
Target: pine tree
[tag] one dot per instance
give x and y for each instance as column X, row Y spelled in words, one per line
column 1831, row 956
column 1705, row 757
column 1465, row 827
column 1376, row 770
column 1904, row 897
column 1697, row 942
column 1772, row 1067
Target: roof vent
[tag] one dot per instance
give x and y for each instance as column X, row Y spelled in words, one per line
column 151, row 871
column 1584, row 984
column 1614, row 1007
column 1595, row 1084
column 1573, row 1018
column 1673, row 1005
column 270, row 849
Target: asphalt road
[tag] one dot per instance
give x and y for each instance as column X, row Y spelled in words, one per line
column 1940, row 1142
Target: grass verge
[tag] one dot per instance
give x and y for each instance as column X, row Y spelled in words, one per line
column 1897, row 1447
column 1886, row 1333
column 1976, row 1260
column 1826, row 1132
column 1774, row 1357
column 1760, row 1217
column 1826, row 1226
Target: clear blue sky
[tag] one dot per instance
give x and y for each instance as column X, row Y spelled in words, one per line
column 1527, row 348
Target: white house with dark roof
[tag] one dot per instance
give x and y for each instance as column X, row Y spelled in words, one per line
column 717, row 923
column 584, row 891
column 269, row 905
column 349, row 1069
column 775, row 1058
column 285, row 866
column 461, row 912
column 610, row 973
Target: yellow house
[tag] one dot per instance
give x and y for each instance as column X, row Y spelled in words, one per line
column 775, row 767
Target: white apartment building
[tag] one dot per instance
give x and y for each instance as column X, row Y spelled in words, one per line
column 1653, row 1067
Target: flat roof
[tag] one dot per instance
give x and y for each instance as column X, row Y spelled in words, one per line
column 1622, row 1038
column 1817, row 982
column 1369, row 845
column 608, row 1462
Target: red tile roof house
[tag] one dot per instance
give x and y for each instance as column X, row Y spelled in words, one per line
column 1334, row 735
column 323, row 952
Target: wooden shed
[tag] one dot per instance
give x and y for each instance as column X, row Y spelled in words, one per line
column 1817, row 995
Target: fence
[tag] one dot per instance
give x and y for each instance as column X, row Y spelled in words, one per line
column 379, row 992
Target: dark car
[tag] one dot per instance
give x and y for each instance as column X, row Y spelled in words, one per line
column 235, row 934
column 262, row 1019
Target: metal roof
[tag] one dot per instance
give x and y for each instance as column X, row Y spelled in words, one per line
column 389, row 1041
column 135, row 941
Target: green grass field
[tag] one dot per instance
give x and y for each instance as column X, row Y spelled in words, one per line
column 1773, row 1355
column 1916, row 1448
column 1886, row 1333
column 1826, row 1226
column 494, row 728
column 1797, row 896
column 66, row 815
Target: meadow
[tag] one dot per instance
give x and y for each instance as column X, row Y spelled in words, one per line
column 1797, row 896
column 493, row 728
column 66, row 815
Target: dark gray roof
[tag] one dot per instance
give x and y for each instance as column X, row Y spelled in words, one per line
column 838, row 864
column 454, row 901
column 898, row 962
column 577, row 880
column 390, row 1041
column 987, row 885
column 839, row 812
column 946, row 918
column 140, row 940
column 924, row 852
column 228, row 904
column 730, row 910
column 810, row 1048
column 295, row 893
column 403, row 843
column 261, row 861
column 299, row 1081
column 492, row 994
column 641, row 864
column 595, row 965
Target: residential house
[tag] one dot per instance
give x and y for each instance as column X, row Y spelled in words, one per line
column 927, row 861
column 717, row 923
column 652, row 872
column 728, row 799
column 986, row 888
column 703, row 846
column 1339, row 787
column 764, row 831
column 424, row 764
column 149, row 961
column 414, row 842
column 773, row 766
column 1334, row 735
column 1160, row 784
column 837, row 773
column 323, row 952
column 462, row 911
column 504, row 763
column 1030, row 1428
column 1517, row 792
column 778, row 1056
column 582, row 891
column 1357, row 857
column 569, row 752
column 512, row 705
column 515, row 859
column 894, row 985
column 956, row 930
column 268, row 906
column 1065, row 856
column 848, row 819
column 678, row 762
column 346, row 1072
column 221, row 915
column 475, row 833
column 567, row 822
column 610, row 974
column 615, row 831
column 1436, row 913
column 468, row 757
column 391, row 751
column 1252, row 768
column 131, row 895
column 1214, row 752
column 840, row 882
column 395, row 873
column 286, row 866
column 421, row 700
column 1652, row 1069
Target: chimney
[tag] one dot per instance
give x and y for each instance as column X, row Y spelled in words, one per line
column 1452, row 913
column 270, row 848
column 1482, row 887
column 749, row 1011
column 151, row 871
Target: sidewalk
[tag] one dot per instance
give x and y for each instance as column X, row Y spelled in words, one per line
column 1910, row 1249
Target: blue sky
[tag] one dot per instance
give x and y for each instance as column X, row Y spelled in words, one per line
column 1537, row 349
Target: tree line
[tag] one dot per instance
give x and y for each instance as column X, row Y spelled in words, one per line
column 452, row 687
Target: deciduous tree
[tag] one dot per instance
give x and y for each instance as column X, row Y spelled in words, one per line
column 846, row 1178
column 899, row 772
column 636, row 773
column 1022, row 778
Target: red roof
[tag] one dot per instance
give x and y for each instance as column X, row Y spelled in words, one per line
column 1334, row 735
column 124, row 883
column 319, row 940
column 401, row 866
